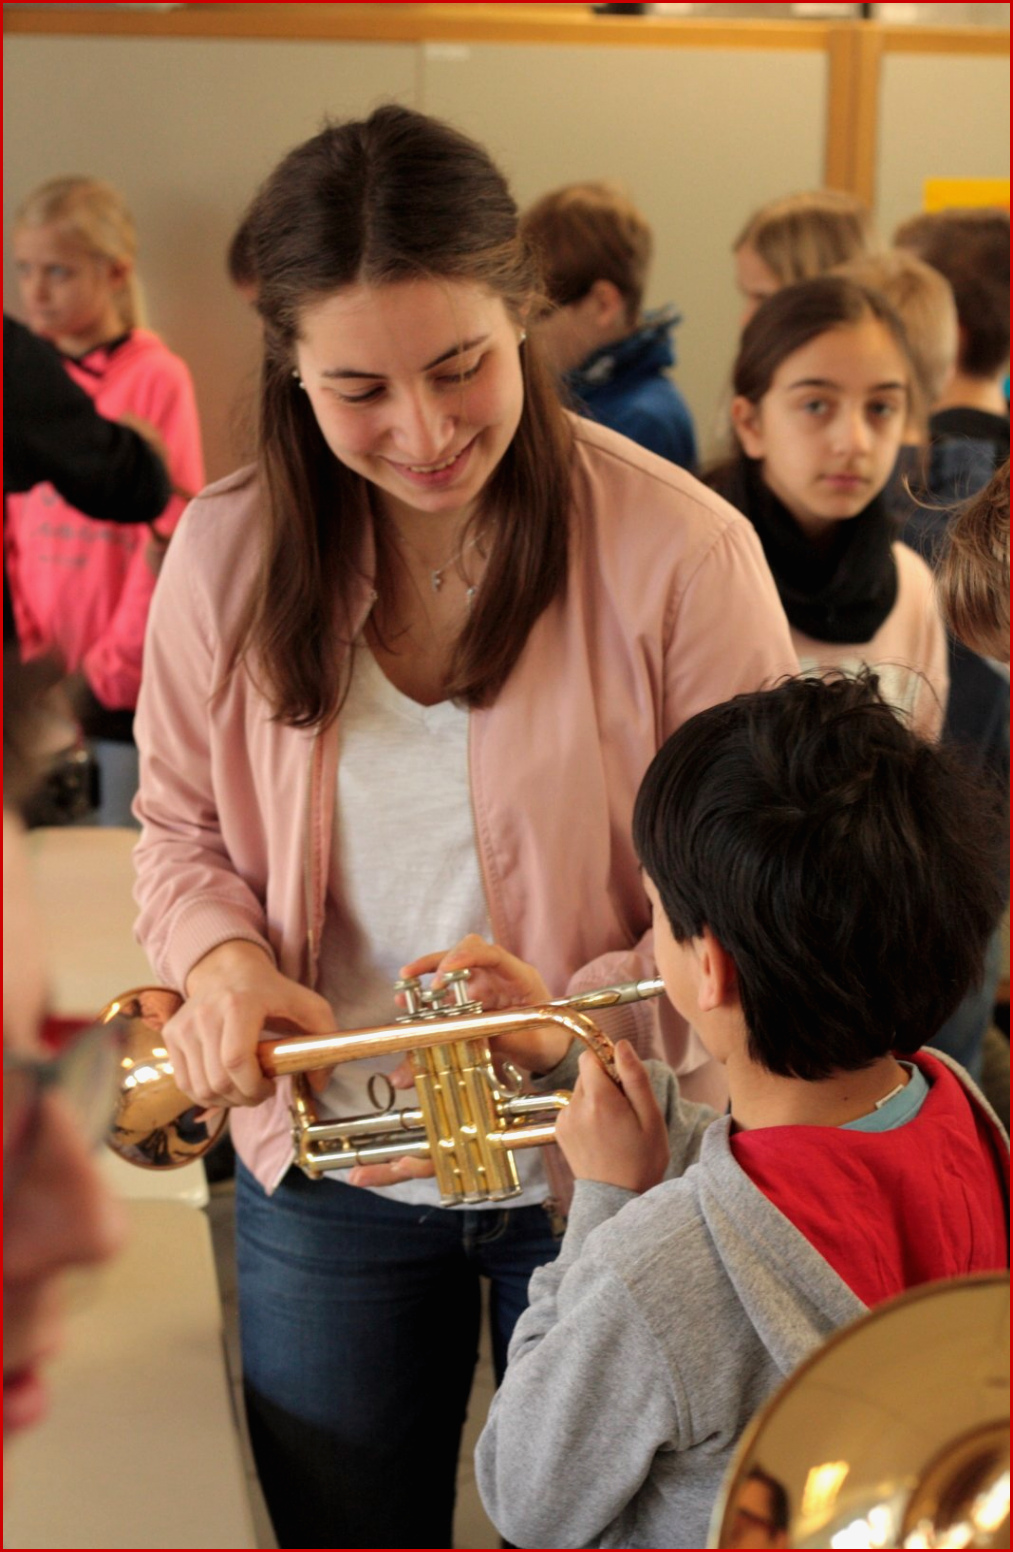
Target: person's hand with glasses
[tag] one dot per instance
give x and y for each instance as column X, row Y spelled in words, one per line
column 83, row 1071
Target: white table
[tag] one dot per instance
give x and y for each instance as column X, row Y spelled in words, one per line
column 188, row 1185
column 140, row 1448
column 83, row 879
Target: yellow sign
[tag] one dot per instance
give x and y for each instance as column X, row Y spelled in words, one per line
column 947, row 193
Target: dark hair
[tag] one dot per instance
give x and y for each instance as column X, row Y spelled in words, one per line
column 796, row 314
column 398, row 196
column 239, row 259
column 972, row 576
column 31, row 717
column 971, row 248
column 846, row 865
column 585, row 232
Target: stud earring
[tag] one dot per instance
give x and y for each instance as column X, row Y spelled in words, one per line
column 524, row 335
column 295, row 374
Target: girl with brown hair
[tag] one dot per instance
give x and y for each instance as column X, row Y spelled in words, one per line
column 823, row 386
column 401, row 683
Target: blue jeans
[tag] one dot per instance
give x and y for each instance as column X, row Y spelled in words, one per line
column 359, row 1320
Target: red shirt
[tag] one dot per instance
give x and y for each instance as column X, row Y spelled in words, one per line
column 890, row 1210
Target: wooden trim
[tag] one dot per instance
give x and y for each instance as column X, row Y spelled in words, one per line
column 842, row 88
column 853, row 60
column 494, row 23
column 865, row 114
column 945, row 40
column 418, row 24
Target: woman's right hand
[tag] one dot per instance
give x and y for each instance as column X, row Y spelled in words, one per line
column 232, row 993
column 499, row 980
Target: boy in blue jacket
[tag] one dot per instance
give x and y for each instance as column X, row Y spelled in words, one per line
column 594, row 248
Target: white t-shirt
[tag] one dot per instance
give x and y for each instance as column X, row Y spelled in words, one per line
column 404, row 848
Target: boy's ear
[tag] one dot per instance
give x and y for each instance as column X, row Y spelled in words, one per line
column 717, row 981
column 609, row 305
column 748, row 426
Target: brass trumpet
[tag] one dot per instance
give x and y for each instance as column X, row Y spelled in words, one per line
column 469, row 1119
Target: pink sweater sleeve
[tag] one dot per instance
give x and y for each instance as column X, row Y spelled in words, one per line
column 165, row 398
column 727, row 634
column 190, row 891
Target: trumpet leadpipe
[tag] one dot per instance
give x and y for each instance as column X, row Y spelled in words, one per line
column 612, row 996
column 304, row 1053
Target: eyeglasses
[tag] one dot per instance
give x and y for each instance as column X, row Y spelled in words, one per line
column 84, row 1072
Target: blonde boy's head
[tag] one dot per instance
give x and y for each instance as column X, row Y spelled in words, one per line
column 803, row 235
column 923, row 300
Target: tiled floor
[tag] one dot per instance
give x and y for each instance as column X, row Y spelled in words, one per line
column 471, row 1527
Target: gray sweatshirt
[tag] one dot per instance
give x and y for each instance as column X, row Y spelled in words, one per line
column 647, row 1347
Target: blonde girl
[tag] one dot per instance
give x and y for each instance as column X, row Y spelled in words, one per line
column 81, row 588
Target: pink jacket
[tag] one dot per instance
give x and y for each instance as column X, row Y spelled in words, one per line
column 908, row 651
column 670, row 607
column 83, row 586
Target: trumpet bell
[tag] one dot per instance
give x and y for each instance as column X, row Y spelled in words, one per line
column 153, row 1125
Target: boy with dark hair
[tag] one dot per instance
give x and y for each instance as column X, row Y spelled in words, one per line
column 822, row 894
column 594, row 248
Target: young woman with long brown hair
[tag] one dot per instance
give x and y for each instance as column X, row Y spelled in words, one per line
column 402, row 680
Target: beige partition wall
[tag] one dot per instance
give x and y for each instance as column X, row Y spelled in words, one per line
column 680, row 128
column 187, row 128
column 940, row 116
column 186, row 111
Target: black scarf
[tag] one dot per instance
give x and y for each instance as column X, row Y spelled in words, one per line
column 841, row 594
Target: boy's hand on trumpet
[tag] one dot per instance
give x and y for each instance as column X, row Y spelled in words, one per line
column 615, row 1136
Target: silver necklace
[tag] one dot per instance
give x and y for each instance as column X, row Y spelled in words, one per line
column 436, row 573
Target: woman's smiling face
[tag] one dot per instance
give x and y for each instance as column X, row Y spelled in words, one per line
column 415, row 385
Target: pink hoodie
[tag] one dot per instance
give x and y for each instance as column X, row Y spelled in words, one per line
column 82, row 586
column 669, row 608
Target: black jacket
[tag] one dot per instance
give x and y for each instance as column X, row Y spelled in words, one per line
column 52, row 431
